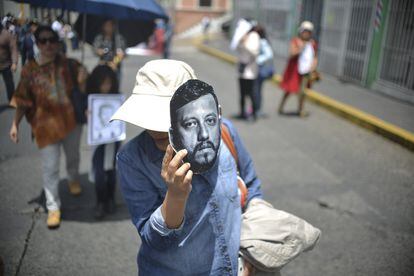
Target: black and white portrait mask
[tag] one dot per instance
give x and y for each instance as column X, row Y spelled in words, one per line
column 195, row 124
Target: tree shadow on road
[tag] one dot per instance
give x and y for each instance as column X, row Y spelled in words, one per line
column 80, row 208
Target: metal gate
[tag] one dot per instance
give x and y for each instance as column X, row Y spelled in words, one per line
column 397, row 64
column 346, row 35
column 311, row 10
column 244, row 9
column 358, row 41
column 276, row 16
column 334, row 28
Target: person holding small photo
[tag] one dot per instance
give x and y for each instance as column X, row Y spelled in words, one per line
column 103, row 80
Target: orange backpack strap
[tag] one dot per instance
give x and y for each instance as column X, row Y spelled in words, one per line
column 226, row 136
column 228, row 140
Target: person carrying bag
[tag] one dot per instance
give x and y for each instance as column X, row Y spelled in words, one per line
column 266, row 67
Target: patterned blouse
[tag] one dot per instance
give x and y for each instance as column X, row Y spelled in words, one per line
column 44, row 91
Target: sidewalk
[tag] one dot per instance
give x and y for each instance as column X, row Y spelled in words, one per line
column 379, row 113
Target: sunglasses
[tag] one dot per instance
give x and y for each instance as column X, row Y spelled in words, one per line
column 46, row 39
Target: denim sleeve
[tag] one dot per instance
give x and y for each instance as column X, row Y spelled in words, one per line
column 157, row 223
column 266, row 52
column 143, row 201
column 246, row 166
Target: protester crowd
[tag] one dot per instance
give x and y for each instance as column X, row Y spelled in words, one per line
column 186, row 198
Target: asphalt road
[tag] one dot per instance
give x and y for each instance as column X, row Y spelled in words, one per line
column 357, row 187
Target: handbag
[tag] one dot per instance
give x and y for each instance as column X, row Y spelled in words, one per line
column 266, row 70
column 241, row 67
column 315, row 76
column 78, row 98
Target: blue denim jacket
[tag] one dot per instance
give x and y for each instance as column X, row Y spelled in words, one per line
column 207, row 242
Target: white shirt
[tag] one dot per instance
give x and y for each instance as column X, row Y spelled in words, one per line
column 306, row 59
column 247, row 54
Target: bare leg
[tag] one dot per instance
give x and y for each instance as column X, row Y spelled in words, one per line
column 302, row 95
column 301, row 112
column 283, row 102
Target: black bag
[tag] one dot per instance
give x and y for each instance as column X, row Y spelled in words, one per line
column 78, row 98
column 241, row 67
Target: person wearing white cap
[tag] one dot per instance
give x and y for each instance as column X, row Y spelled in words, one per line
column 189, row 223
column 302, row 62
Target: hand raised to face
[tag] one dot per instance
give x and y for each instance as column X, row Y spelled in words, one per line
column 176, row 174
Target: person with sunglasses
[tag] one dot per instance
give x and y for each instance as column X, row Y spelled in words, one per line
column 43, row 96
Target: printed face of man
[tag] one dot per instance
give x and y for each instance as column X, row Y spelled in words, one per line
column 105, row 114
column 198, row 131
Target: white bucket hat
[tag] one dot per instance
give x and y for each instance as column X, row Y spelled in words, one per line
column 149, row 105
column 306, row 26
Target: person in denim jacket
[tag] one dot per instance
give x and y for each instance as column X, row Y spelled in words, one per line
column 189, row 224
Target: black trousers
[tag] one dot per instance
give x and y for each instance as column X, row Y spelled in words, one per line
column 105, row 181
column 247, row 90
column 8, row 80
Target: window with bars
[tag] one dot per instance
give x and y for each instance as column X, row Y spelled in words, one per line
column 205, row 3
column 398, row 55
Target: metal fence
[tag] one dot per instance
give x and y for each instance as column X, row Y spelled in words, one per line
column 397, row 64
column 311, row 10
column 358, row 41
column 335, row 19
column 346, row 32
column 276, row 16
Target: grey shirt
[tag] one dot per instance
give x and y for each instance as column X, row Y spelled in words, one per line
column 110, row 46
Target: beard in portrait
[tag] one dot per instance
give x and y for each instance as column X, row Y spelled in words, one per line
column 195, row 124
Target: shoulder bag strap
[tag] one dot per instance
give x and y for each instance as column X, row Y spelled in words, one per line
column 228, row 140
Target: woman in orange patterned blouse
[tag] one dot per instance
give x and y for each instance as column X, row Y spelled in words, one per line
column 43, row 97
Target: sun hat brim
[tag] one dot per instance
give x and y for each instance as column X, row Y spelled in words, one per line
column 147, row 111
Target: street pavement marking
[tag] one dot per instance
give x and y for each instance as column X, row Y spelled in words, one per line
column 352, row 114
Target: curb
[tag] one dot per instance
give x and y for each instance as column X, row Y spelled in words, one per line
column 352, row 114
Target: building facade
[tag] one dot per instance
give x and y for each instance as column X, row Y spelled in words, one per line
column 368, row 42
column 188, row 13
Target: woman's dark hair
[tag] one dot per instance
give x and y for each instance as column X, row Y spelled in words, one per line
column 98, row 75
column 260, row 30
column 45, row 28
column 188, row 92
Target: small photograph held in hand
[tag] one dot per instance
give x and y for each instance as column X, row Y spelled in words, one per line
column 195, row 124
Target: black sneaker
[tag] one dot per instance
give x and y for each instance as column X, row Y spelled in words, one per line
column 110, row 206
column 99, row 211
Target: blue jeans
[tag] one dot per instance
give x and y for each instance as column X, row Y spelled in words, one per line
column 247, row 89
column 258, row 93
column 104, row 180
column 50, row 165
